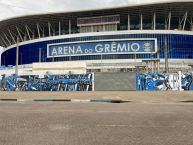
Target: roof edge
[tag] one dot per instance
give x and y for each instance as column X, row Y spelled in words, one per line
column 96, row 9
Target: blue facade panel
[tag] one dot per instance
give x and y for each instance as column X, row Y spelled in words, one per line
column 104, row 47
column 179, row 47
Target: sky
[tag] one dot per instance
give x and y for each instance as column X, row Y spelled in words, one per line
column 43, row 6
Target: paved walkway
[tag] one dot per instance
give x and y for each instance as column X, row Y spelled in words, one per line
column 46, row 123
column 136, row 97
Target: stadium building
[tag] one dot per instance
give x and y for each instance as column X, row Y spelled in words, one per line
column 117, row 36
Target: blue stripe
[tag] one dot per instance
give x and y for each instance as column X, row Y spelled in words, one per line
column 42, row 99
column 109, row 101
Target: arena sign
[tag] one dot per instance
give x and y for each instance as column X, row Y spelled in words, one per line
column 101, row 47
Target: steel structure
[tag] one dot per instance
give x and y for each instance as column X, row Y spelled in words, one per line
column 29, row 27
column 150, row 21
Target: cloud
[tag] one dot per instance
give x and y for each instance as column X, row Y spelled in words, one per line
column 58, row 5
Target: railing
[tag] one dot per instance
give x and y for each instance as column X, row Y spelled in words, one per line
column 131, row 67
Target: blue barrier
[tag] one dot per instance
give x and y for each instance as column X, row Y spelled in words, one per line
column 2, row 67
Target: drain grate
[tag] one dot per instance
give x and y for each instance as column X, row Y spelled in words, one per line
column 187, row 101
column 120, row 101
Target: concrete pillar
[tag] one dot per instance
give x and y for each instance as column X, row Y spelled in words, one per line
column 152, row 61
column 54, row 32
column 179, row 27
column 17, row 57
column 166, row 27
column 128, row 22
column 69, row 26
column 158, row 65
column 154, row 17
column 103, row 27
column 147, row 69
column 43, row 35
column 59, row 28
column 49, row 29
column 53, row 58
column 25, row 37
column 158, row 62
column 116, row 27
column 170, row 15
column 92, row 28
column 141, row 22
column 180, row 80
column 154, row 66
column 33, row 36
column 191, row 27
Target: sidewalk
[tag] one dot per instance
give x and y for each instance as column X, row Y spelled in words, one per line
column 133, row 96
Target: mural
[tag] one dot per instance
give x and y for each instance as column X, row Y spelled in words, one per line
column 83, row 82
column 157, row 82
column 72, row 82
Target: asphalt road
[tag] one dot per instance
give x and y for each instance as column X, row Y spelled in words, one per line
column 27, row 123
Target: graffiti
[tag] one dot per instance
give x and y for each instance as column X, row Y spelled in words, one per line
column 84, row 82
column 157, row 82
column 72, row 82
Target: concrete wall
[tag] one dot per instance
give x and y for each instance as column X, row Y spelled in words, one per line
column 59, row 68
column 48, row 68
column 115, row 81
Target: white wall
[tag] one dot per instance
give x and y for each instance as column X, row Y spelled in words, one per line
column 50, row 67
column 1, row 50
column 59, row 68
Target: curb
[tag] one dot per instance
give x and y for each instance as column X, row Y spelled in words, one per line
column 59, row 100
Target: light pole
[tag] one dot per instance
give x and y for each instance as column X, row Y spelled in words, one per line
column 152, row 61
column 101, row 60
column 43, row 55
column 21, row 63
column 21, row 58
column 53, row 58
column 17, row 57
column 187, row 55
column 4, row 60
column 70, row 57
column 184, row 65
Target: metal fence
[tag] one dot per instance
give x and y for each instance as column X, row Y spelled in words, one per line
column 131, row 67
